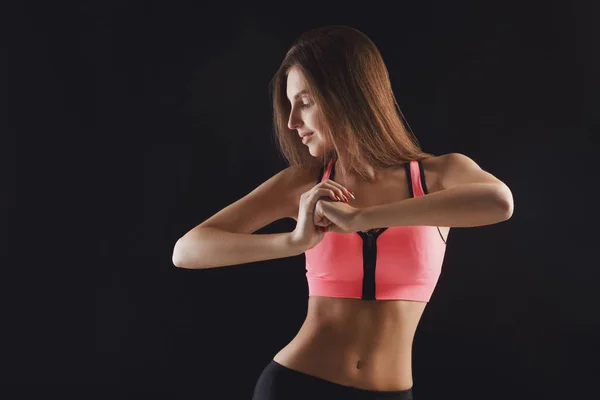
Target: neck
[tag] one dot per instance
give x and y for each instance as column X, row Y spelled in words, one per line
column 343, row 172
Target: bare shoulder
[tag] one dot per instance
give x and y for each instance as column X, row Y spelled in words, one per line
column 433, row 168
column 443, row 160
column 452, row 169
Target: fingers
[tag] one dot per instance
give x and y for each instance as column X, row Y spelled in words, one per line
column 342, row 193
column 322, row 192
column 328, row 189
column 335, row 191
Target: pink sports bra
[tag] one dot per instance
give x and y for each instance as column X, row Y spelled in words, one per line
column 393, row 263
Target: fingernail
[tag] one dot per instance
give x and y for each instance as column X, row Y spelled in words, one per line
column 338, row 199
column 352, row 195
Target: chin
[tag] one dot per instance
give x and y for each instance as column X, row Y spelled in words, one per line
column 316, row 151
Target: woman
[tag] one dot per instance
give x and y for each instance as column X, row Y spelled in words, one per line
column 373, row 215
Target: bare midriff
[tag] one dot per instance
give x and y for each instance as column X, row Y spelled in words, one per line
column 365, row 344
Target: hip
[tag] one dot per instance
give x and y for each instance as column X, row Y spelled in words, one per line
column 278, row 382
column 381, row 369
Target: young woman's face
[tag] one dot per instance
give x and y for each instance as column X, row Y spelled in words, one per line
column 305, row 115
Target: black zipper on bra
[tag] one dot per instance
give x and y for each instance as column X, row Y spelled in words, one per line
column 369, row 264
column 369, row 254
column 369, row 261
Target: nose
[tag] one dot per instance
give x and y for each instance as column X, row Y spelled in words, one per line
column 294, row 121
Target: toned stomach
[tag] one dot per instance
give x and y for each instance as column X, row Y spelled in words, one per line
column 365, row 344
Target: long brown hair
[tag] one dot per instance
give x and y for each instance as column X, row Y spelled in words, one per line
column 349, row 81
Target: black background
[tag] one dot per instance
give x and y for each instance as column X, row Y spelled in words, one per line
column 138, row 120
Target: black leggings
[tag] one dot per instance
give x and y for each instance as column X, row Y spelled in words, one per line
column 277, row 382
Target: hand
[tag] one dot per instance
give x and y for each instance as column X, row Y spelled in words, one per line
column 307, row 234
column 337, row 216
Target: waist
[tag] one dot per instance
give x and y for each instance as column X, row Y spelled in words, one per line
column 359, row 324
column 359, row 343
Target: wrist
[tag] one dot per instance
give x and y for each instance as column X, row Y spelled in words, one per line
column 295, row 246
column 359, row 220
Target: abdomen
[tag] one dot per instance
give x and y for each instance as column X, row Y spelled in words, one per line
column 360, row 343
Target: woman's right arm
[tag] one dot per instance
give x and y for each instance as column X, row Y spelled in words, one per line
column 227, row 237
column 208, row 247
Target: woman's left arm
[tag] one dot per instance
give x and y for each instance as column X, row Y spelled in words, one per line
column 468, row 196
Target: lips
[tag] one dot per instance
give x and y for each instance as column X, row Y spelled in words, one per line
column 306, row 137
column 302, row 135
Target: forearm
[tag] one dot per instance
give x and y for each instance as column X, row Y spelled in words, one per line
column 211, row 247
column 467, row 205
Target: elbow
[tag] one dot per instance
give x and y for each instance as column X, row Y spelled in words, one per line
column 179, row 258
column 188, row 253
column 505, row 201
column 192, row 251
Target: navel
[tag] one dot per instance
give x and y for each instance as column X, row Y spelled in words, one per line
column 358, row 364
